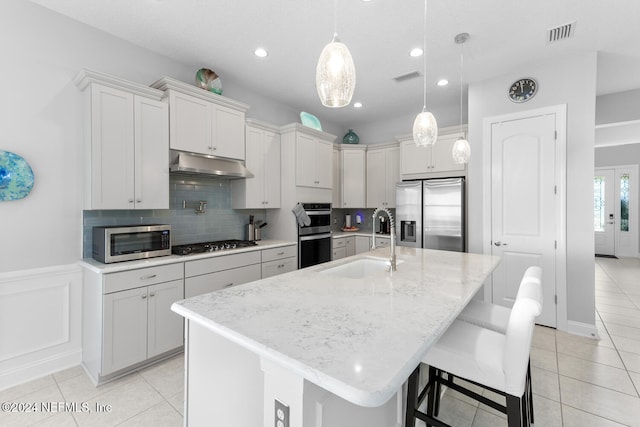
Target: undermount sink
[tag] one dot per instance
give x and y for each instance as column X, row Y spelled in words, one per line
column 360, row 268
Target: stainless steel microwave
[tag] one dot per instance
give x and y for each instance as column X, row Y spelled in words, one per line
column 126, row 243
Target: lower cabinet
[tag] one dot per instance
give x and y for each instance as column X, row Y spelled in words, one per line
column 343, row 247
column 279, row 260
column 363, row 244
column 212, row 274
column 139, row 324
column 127, row 318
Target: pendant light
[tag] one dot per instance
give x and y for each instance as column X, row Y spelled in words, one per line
column 425, row 127
column 461, row 151
column 335, row 72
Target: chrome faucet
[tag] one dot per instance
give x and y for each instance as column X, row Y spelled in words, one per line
column 392, row 224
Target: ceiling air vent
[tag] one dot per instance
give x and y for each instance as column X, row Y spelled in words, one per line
column 405, row 77
column 562, row 32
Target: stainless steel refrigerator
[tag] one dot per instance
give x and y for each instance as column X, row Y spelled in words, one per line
column 431, row 214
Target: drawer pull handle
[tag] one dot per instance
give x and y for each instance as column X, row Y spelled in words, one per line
column 228, row 284
column 280, row 253
column 152, row 294
column 144, row 297
column 151, row 276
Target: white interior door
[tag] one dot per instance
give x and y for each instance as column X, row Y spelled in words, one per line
column 523, row 211
column 604, row 211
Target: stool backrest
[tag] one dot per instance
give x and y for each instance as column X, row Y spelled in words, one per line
column 531, row 286
column 518, row 338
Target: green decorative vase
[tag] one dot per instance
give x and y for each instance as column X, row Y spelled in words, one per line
column 350, row 138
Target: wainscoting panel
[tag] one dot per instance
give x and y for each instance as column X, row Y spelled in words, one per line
column 40, row 329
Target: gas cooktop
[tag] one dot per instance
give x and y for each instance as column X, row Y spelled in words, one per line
column 218, row 245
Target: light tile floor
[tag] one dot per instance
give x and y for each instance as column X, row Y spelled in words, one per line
column 577, row 382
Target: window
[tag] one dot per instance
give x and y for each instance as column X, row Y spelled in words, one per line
column 598, row 203
column 624, row 202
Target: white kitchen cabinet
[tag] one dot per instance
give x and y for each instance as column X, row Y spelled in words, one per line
column 127, row 318
column 279, row 260
column 215, row 273
column 126, row 144
column 382, row 176
column 204, row 122
column 353, row 176
column 313, row 161
column 336, row 181
column 430, row 161
column 343, row 246
column 363, row 244
column 263, row 160
column 382, row 242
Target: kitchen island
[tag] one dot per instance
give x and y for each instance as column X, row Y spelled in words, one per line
column 335, row 342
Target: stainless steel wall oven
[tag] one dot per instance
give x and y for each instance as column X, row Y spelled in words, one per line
column 314, row 240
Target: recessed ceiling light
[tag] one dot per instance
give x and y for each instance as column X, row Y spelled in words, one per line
column 416, row 51
column 358, row 104
column 260, row 52
column 443, row 82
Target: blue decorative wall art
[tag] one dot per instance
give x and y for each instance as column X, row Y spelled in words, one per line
column 16, row 177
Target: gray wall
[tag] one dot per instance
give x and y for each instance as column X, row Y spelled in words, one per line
column 571, row 82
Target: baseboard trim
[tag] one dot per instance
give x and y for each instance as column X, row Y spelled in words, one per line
column 583, row 329
column 40, row 368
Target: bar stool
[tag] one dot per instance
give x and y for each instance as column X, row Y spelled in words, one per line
column 494, row 361
column 496, row 317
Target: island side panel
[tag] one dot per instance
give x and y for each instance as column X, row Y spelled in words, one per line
column 224, row 382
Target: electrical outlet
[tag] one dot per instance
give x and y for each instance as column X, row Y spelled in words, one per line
column 281, row 414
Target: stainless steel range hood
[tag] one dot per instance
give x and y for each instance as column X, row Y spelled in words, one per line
column 201, row 164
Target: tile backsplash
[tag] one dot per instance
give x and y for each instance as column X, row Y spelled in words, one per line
column 219, row 221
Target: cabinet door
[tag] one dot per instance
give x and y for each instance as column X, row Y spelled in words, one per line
column 323, row 164
column 339, row 253
column 272, row 170
column 190, row 124
column 165, row 328
column 363, row 244
column 376, row 183
column 280, row 266
column 151, row 154
column 392, row 176
column 124, row 329
column 254, row 187
column 112, row 150
column 222, row 279
column 336, row 195
column 350, row 246
column 227, row 132
column 353, row 179
column 305, row 161
column 414, row 159
column 442, row 157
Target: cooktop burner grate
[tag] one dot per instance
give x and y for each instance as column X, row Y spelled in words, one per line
column 215, row 246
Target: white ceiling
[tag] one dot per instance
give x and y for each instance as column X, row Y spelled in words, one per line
column 222, row 34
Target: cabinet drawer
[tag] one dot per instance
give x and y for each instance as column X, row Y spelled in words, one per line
column 279, row 266
column 114, row 282
column 339, row 242
column 383, row 242
column 222, row 279
column 339, row 253
column 279, row 253
column 219, row 263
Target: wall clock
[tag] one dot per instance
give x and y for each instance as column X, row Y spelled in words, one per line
column 523, row 90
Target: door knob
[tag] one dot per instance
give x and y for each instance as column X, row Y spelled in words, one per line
column 499, row 243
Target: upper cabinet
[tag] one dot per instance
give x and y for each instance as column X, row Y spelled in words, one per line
column 353, row 176
column 336, row 193
column 431, row 161
column 313, row 156
column 126, row 144
column 382, row 176
column 263, row 160
column 204, row 122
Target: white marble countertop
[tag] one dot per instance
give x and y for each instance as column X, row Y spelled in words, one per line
column 357, row 338
column 115, row 267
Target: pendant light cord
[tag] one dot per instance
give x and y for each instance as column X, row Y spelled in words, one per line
column 424, row 57
column 461, row 68
column 335, row 19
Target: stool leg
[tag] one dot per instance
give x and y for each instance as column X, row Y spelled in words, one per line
column 412, row 397
column 514, row 411
column 434, row 375
column 530, row 392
